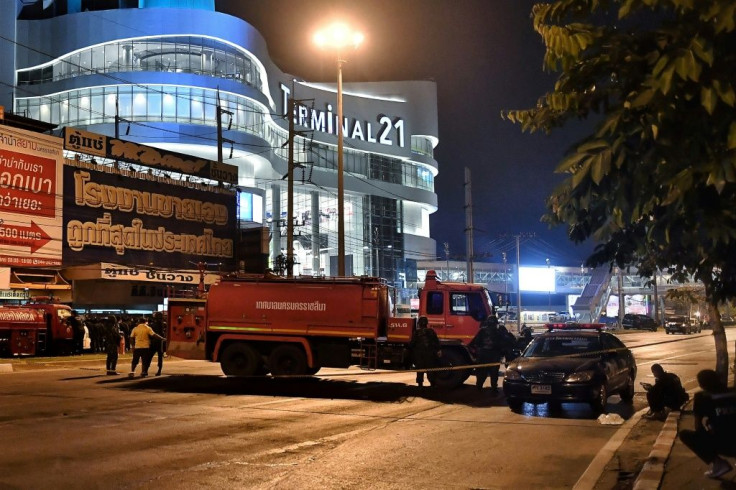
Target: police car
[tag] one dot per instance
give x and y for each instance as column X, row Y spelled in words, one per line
column 571, row 363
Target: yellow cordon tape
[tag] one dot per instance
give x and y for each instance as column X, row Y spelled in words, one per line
column 372, row 371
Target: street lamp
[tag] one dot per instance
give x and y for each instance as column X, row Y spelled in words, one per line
column 339, row 36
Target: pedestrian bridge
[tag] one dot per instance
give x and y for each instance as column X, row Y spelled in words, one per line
column 594, row 286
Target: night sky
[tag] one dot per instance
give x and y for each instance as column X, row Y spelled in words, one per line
column 485, row 57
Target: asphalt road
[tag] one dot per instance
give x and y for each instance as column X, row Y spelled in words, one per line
column 68, row 425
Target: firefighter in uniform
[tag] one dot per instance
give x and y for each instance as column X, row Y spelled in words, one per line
column 425, row 349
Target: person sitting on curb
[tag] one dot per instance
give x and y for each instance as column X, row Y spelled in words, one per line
column 667, row 392
column 714, row 409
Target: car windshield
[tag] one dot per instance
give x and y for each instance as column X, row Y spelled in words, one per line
column 553, row 346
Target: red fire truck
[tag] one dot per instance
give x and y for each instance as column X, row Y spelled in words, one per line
column 35, row 328
column 294, row 326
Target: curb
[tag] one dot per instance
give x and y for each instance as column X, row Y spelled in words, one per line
column 592, row 474
column 650, row 477
column 6, row 368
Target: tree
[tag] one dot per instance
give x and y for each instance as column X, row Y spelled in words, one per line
column 654, row 181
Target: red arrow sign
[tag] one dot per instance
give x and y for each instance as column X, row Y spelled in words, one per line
column 23, row 236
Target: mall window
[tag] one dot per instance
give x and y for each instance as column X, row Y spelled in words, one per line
column 422, row 146
column 176, row 54
column 153, row 103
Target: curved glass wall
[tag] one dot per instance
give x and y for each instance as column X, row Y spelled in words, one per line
column 177, row 54
column 422, row 145
column 154, row 103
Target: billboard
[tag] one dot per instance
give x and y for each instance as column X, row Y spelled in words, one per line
column 537, row 279
column 143, row 220
column 30, row 198
column 127, row 151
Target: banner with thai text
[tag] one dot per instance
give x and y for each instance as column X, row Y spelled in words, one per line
column 30, row 198
column 109, row 217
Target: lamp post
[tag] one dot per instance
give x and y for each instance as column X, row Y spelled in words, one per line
column 339, row 36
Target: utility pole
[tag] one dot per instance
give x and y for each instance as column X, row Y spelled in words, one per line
column 290, row 194
column 447, row 257
column 518, row 285
column 505, row 282
column 469, row 227
column 377, row 267
column 219, row 112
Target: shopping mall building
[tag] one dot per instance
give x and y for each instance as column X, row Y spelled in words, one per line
column 182, row 78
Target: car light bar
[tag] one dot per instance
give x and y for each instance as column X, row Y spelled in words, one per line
column 574, row 326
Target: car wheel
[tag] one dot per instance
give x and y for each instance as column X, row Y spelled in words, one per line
column 627, row 394
column 515, row 404
column 601, row 399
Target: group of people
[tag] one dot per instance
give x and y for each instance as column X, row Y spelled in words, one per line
column 148, row 340
column 491, row 344
column 117, row 335
column 714, row 409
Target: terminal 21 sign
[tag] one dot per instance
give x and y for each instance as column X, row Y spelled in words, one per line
column 109, row 217
column 387, row 131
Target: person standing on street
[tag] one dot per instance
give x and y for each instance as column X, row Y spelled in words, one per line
column 112, row 344
column 425, row 349
column 77, row 332
column 714, row 409
column 140, row 337
column 489, row 346
column 157, row 345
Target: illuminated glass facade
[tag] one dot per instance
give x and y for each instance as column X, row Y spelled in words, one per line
column 161, row 77
column 174, row 54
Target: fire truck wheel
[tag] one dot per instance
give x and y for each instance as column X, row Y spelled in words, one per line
column 240, row 360
column 450, row 379
column 287, row 360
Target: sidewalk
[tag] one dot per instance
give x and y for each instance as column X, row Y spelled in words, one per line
column 683, row 469
column 671, row 465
